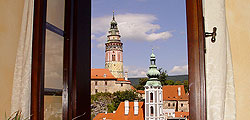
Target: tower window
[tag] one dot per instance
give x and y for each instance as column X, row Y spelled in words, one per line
column 151, row 97
column 151, row 110
column 113, row 57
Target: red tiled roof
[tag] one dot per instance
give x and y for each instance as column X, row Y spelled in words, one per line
column 122, row 80
column 132, row 87
column 100, row 74
column 182, row 114
column 140, row 91
column 170, row 92
column 119, row 114
column 100, row 116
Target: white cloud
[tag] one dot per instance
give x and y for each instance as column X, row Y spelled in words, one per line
column 179, row 70
column 138, row 27
column 134, row 71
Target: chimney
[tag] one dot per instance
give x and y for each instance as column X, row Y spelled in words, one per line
column 126, row 75
column 179, row 91
column 126, row 106
column 136, row 107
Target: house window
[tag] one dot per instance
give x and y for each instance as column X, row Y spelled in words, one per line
column 151, row 97
column 106, row 83
column 121, row 84
column 106, row 90
column 168, row 104
column 95, row 82
column 173, row 104
column 181, row 104
column 96, row 91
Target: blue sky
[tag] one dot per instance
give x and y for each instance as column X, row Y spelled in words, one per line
column 143, row 24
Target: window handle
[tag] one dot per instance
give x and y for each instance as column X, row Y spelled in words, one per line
column 213, row 35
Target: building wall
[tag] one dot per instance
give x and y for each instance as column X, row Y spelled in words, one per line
column 173, row 105
column 184, row 108
column 238, row 19
column 112, row 86
column 166, row 104
column 10, row 25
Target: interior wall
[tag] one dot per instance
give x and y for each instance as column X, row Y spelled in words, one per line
column 238, row 19
column 10, row 25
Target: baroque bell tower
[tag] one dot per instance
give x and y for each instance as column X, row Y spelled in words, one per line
column 114, row 51
column 153, row 93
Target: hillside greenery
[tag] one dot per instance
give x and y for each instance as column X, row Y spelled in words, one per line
column 164, row 79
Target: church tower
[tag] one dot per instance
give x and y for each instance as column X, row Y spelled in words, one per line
column 153, row 93
column 114, row 51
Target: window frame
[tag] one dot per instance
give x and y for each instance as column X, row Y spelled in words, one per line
column 77, row 58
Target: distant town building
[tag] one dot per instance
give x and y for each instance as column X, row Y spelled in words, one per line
column 126, row 111
column 111, row 79
column 103, row 81
column 175, row 100
column 114, row 51
column 153, row 93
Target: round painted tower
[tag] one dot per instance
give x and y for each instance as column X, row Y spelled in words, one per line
column 114, row 51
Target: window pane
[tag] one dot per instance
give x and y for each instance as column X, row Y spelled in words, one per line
column 53, row 79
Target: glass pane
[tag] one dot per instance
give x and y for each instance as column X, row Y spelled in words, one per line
column 53, row 75
column 53, row 79
column 55, row 13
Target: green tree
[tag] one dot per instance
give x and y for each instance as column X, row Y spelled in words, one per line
column 178, row 83
column 169, row 82
column 121, row 96
column 163, row 76
column 186, row 87
column 142, row 82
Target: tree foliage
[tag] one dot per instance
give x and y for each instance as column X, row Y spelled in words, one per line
column 163, row 79
column 121, row 96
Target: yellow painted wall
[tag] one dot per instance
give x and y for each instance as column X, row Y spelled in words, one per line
column 10, row 25
column 238, row 19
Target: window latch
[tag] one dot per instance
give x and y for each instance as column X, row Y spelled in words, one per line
column 213, row 35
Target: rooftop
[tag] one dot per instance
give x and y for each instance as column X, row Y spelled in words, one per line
column 120, row 113
column 170, row 92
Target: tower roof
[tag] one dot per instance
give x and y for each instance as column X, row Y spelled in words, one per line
column 153, row 73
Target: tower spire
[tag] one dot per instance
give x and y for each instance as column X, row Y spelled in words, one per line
column 153, row 73
column 113, row 15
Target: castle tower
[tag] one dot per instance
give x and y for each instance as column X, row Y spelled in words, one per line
column 153, row 93
column 114, row 51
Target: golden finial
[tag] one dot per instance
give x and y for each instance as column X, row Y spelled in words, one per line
column 113, row 15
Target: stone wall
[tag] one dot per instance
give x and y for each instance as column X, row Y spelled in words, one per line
column 108, row 86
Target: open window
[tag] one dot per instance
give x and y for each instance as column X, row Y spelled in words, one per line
column 76, row 60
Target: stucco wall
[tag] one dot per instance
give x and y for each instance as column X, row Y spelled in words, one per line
column 238, row 19
column 10, row 25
